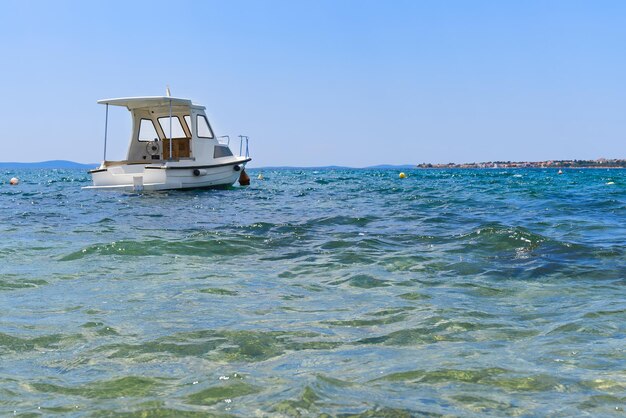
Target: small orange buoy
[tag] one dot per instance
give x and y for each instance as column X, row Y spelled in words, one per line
column 14, row 181
column 244, row 179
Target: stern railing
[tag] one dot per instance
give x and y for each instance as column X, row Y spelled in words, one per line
column 244, row 139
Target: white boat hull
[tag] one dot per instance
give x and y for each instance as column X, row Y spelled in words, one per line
column 136, row 177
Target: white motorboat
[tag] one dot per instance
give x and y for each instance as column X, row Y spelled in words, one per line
column 172, row 146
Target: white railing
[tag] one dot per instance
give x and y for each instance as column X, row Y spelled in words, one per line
column 242, row 139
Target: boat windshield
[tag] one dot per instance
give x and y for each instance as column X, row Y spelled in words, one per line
column 177, row 128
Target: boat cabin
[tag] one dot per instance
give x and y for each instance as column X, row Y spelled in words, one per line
column 167, row 129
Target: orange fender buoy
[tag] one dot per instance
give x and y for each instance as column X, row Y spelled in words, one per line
column 244, row 179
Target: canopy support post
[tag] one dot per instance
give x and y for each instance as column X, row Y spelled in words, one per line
column 171, row 129
column 106, row 125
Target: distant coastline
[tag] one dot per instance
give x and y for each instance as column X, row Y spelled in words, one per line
column 599, row 163
column 48, row 164
column 71, row 164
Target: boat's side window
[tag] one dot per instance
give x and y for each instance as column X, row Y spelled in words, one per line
column 177, row 128
column 147, row 132
column 220, row 151
column 202, row 125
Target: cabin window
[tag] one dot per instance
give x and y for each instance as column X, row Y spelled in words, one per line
column 177, row 128
column 147, row 132
column 202, row 125
column 221, row 151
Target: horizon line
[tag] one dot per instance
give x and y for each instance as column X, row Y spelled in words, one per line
column 50, row 163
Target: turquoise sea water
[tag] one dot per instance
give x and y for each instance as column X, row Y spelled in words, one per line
column 316, row 293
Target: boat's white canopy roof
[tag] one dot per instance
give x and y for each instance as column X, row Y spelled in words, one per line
column 147, row 101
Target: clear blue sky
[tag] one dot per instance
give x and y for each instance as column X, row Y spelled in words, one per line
column 324, row 82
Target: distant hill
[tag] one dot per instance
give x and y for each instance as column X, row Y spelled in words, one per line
column 49, row 164
column 336, row 167
column 295, row 167
column 401, row 166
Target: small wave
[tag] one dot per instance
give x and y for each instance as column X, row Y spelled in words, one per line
column 294, row 408
column 222, row 392
column 444, row 375
column 410, row 337
column 216, row 291
column 221, row 345
column 586, row 328
column 361, row 221
column 130, row 386
column 498, row 237
column 367, row 322
column 414, row 296
column 217, row 246
column 363, row 281
column 492, row 243
column 21, row 284
column 20, row 344
column 601, row 314
column 492, row 377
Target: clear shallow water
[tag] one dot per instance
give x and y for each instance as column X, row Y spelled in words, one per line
column 338, row 292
